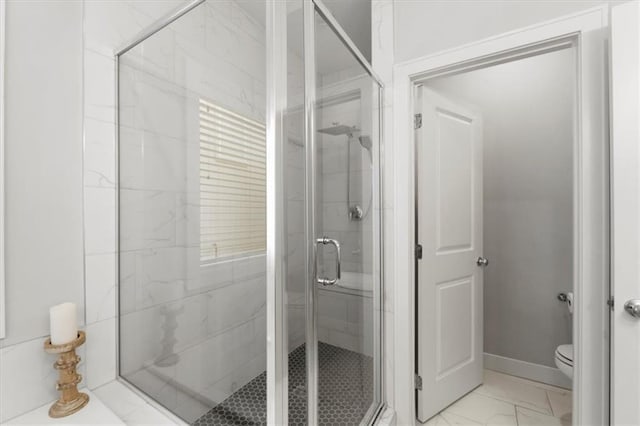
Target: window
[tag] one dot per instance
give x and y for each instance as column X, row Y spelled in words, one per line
column 232, row 184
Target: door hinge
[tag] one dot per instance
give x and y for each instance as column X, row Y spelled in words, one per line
column 418, row 251
column 610, row 303
column 418, row 382
column 417, row 121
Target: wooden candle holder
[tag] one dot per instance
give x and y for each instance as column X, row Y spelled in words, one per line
column 70, row 400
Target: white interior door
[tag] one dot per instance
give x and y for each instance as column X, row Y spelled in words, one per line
column 625, row 214
column 449, row 228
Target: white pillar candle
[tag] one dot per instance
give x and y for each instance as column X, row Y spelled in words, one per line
column 63, row 323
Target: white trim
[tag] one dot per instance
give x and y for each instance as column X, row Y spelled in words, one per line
column 590, row 217
column 625, row 211
column 2, row 159
column 528, row 370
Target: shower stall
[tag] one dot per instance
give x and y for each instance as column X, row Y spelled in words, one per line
column 249, row 201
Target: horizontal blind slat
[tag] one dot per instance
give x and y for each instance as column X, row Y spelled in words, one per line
column 232, row 183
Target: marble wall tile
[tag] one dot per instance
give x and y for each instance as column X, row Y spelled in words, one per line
column 100, row 220
column 99, row 153
column 130, row 407
column 108, row 25
column 99, row 86
column 150, row 219
column 100, row 291
column 101, row 353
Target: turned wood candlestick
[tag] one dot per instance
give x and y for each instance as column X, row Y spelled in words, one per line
column 70, row 399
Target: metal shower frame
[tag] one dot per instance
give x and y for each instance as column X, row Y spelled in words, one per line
column 276, row 109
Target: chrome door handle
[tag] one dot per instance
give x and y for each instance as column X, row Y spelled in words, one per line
column 481, row 261
column 336, row 244
column 633, row 307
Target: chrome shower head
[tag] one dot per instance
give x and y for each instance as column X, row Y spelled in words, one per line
column 365, row 141
column 339, row 129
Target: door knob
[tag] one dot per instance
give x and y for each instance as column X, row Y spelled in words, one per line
column 633, row 307
column 482, row 262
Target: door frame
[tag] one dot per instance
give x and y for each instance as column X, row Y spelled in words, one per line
column 587, row 31
column 625, row 210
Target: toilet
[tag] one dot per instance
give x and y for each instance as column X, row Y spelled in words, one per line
column 564, row 359
column 564, row 353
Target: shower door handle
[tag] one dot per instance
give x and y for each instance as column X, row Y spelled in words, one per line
column 328, row 281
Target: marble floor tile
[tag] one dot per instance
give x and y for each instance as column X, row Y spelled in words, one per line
column 450, row 419
column 484, row 410
column 528, row 417
column 509, row 400
column 561, row 403
column 517, row 392
column 94, row 413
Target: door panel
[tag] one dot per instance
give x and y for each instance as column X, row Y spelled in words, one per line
column 455, row 325
column 449, row 164
column 453, row 172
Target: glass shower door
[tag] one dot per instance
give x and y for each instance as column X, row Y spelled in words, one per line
column 344, row 310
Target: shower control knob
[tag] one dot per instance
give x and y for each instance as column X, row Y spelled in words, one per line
column 481, row 261
column 633, row 308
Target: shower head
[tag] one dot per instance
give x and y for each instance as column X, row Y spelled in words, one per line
column 365, row 141
column 339, row 129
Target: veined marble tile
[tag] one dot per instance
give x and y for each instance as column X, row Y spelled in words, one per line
column 147, row 219
column 450, row 419
column 100, row 220
column 100, row 291
column 561, row 403
column 204, row 364
column 528, row 417
column 503, row 387
column 161, row 275
column 108, row 25
column 99, row 153
column 485, row 410
column 188, row 217
column 156, row 55
column 127, row 281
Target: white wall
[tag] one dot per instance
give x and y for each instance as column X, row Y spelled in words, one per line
column 59, row 59
column 428, row 26
column 527, row 108
column 44, row 247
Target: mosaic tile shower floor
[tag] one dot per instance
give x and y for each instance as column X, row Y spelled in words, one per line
column 345, row 392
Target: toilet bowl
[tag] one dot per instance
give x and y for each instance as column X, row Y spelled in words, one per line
column 564, row 359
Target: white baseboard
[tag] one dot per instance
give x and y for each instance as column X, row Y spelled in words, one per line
column 527, row 370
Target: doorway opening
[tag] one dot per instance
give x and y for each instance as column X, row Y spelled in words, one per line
column 497, row 190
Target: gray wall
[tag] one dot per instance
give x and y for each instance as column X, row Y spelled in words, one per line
column 527, row 111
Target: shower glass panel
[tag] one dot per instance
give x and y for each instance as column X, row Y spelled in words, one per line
column 195, row 298
column 192, row 214
column 346, row 211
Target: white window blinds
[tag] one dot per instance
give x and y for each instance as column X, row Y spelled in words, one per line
column 232, row 184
